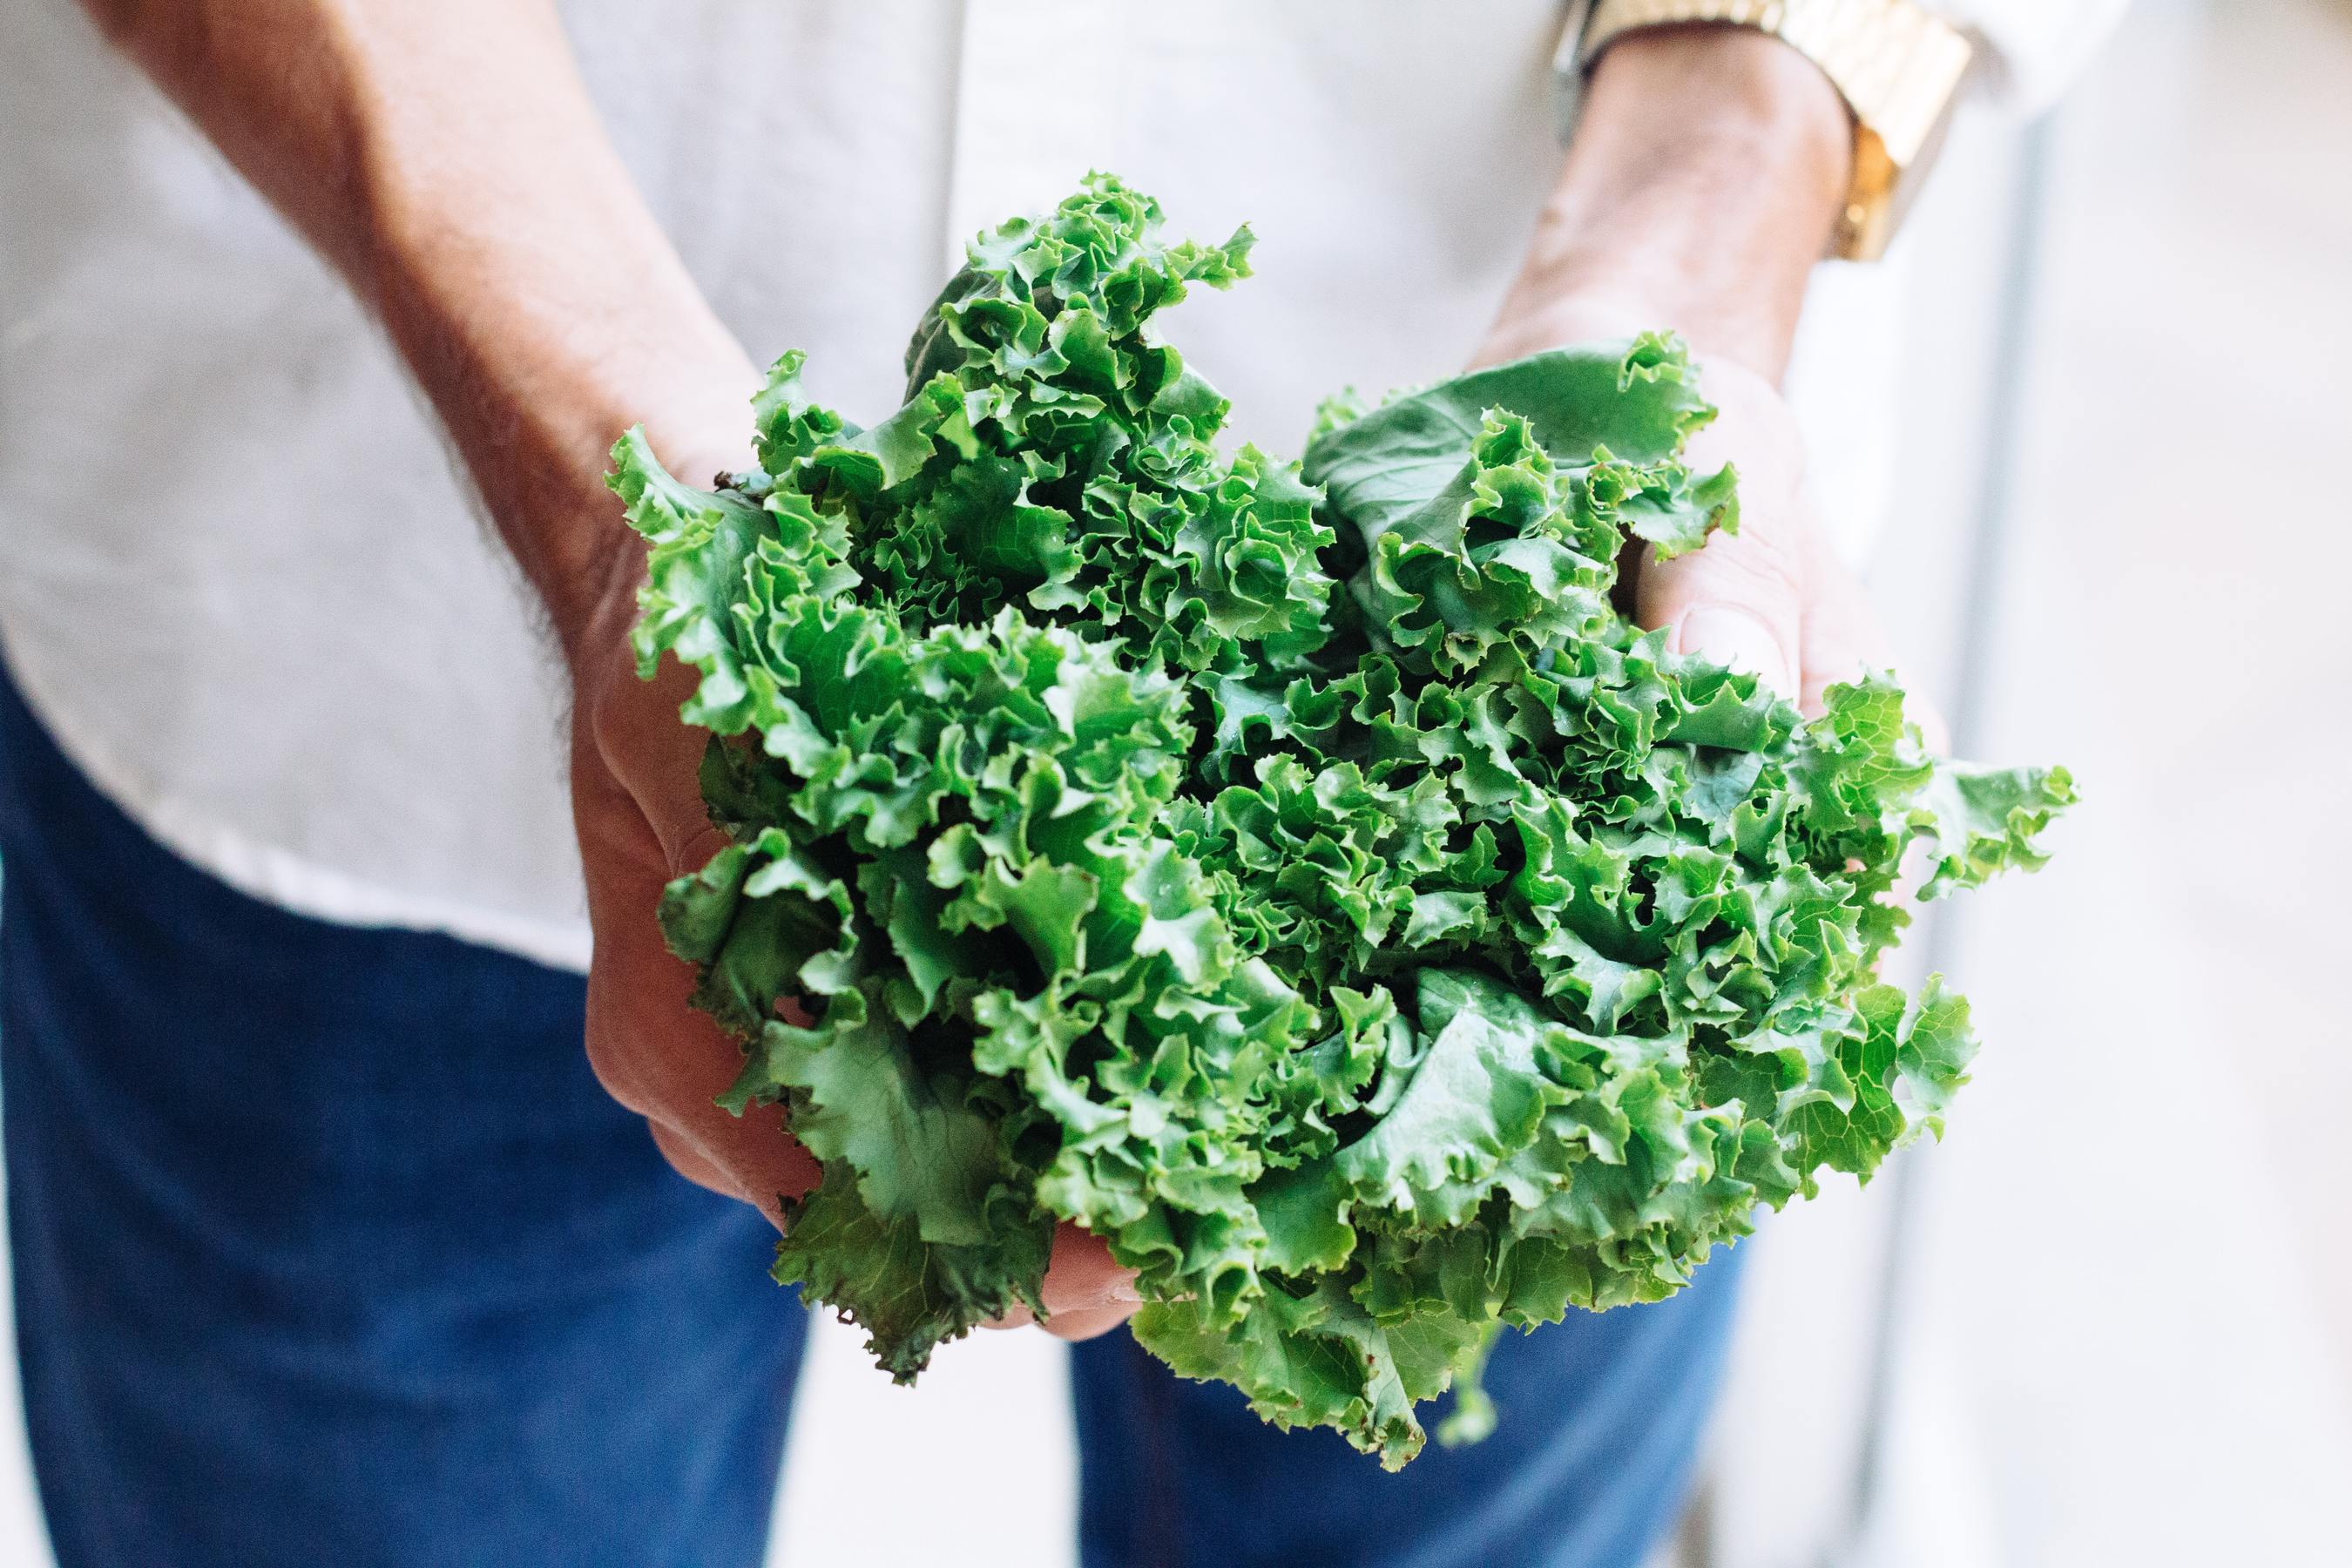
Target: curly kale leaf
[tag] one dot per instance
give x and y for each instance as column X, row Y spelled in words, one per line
column 1303, row 879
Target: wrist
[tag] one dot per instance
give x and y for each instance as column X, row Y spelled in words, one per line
column 1708, row 175
column 540, row 306
column 534, row 374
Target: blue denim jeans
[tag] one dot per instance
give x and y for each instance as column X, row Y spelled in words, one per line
column 329, row 1250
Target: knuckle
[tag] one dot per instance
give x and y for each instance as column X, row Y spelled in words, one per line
column 692, row 1162
column 1763, row 561
column 697, row 848
column 616, row 1067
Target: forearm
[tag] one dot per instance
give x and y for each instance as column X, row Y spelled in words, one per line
column 1706, row 174
column 444, row 156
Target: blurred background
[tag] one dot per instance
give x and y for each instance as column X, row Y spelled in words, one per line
column 2109, row 1319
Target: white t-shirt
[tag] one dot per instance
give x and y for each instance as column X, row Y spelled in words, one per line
column 241, row 580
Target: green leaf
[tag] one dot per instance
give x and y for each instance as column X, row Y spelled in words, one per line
column 908, row 1295
column 858, row 1097
column 1305, row 880
column 1477, row 1096
column 1640, row 401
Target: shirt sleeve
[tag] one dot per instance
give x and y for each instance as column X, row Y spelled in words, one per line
column 2033, row 49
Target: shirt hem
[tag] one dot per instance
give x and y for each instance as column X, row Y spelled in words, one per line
column 278, row 875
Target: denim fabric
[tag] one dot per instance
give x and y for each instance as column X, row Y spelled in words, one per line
column 329, row 1250
column 1599, row 1426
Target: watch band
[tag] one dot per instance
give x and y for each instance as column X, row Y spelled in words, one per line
column 1898, row 66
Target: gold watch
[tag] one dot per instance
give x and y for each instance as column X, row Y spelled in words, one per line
column 1898, row 66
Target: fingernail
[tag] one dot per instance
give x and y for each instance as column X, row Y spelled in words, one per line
column 1123, row 1293
column 1732, row 636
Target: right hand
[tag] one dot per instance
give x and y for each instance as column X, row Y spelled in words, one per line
column 637, row 807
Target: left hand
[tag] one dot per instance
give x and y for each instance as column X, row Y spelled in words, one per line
column 1705, row 175
column 1772, row 599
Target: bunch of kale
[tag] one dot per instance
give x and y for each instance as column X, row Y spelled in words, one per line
column 1308, row 881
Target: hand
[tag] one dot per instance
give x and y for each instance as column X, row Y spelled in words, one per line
column 1773, row 598
column 637, row 808
column 637, row 805
column 494, row 231
column 1706, row 174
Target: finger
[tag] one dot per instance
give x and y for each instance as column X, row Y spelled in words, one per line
column 1087, row 1292
column 658, row 758
column 1739, row 601
column 661, row 1057
column 1073, row 1327
column 1070, row 1327
column 751, row 1157
column 691, row 1162
column 679, row 1063
column 1844, row 638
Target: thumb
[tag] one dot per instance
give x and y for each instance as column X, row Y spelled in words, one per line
column 653, row 754
column 1738, row 602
